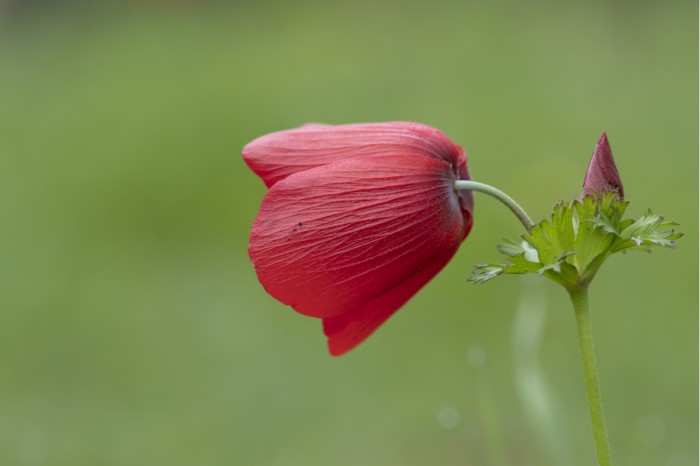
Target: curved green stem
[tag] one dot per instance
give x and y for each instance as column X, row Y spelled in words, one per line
column 464, row 185
column 579, row 298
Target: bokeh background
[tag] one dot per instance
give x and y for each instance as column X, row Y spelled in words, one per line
column 133, row 330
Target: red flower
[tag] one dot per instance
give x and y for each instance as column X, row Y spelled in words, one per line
column 602, row 176
column 357, row 219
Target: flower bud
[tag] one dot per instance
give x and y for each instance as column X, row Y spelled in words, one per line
column 602, row 176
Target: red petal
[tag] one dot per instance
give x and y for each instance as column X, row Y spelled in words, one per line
column 349, row 330
column 277, row 155
column 357, row 238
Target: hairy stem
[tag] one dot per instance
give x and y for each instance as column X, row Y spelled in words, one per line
column 579, row 298
column 464, row 185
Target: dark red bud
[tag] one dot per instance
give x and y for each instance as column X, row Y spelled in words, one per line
column 602, row 176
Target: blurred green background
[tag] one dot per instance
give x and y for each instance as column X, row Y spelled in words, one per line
column 133, row 330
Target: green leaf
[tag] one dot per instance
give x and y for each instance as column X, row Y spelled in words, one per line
column 511, row 248
column 521, row 264
column 648, row 230
column 570, row 247
column 518, row 265
column 485, row 272
column 591, row 240
column 556, row 264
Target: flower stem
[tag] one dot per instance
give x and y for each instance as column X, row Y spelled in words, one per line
column 579, row 298
column 464, row 185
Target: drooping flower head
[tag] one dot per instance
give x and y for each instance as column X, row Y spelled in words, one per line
column 602, row 176
column 357, row 219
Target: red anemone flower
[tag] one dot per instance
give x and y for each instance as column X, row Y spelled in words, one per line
column 357, row 219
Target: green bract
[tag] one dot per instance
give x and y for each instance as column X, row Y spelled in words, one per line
column 571, row 247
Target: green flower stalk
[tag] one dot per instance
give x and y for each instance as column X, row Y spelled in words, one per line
column 570, row 248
